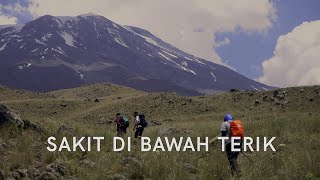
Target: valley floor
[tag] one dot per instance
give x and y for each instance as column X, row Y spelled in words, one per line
column 291, row 115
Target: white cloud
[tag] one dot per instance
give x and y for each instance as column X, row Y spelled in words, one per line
column 7, row 20
column 174, row 20
column 296, row 59
column 15, row 8
column 224, row 42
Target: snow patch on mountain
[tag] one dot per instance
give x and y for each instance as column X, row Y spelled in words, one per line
column 150, row 40
column 255, row 88
column 170, row 54
column 80, row 74
column 15, row 29
column 198, row 61
column 112, row 31
column 45, row 37
column 153, row 42
column 188, row 70
column 214, row 77
column 68, row 39
column 115, row 34
column 183, row 63
column 64, row 19
column 96, row 30
column 188, row 58
column 147, row 39
column 165, row 50
column 58, row 50
column 24, row 66
column 15, row 36
column 3, row 46
column 182, row 67
column 165, row 57
column 114, row 25
column 119, row 41
column 39, row 42
column 60, row 23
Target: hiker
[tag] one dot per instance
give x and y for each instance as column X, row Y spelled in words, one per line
column 232, row 128
column 140, row 124
column 122, row 124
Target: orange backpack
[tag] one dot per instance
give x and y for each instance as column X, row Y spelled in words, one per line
column 237, row 129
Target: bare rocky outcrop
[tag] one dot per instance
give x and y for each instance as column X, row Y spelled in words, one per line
column 63, row 129
column 234, row 90
column 9, row 117
column 1, row 175
column 191, row 168
column 168, row 131
column 155, row 123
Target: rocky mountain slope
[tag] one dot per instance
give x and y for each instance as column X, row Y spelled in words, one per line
column 52, row 53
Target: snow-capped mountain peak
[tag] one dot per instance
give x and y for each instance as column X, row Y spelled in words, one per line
column 91, row 48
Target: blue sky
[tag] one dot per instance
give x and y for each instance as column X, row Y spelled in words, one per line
column 247, row 51
column 21, row 17
column 252, row 26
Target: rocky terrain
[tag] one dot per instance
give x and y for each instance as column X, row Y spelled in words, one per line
column 27, row 119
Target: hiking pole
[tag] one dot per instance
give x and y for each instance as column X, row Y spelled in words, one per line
column 246, row 156
column 251, row 160
column 214, row 139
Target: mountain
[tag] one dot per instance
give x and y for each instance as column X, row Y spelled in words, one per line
column 52, row 53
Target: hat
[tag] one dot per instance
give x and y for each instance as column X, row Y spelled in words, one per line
column 228, row 117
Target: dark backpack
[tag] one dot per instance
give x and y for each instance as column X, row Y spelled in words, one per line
column 143, row 121
column 124, row 121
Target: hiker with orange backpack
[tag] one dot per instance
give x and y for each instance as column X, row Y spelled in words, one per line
column 232, row 128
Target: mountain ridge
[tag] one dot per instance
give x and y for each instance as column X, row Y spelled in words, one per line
column 72, row 51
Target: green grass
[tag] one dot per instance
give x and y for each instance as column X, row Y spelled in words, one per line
column 295, row 124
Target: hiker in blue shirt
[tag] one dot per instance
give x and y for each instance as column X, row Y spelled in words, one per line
column 231, row 155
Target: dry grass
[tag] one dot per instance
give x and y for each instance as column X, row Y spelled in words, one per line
column 294, row 123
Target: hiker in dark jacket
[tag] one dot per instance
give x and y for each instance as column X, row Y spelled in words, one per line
column 232, row 155
column 137, row 125
column 121, row 128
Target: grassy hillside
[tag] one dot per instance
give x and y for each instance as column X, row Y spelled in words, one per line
column 292, row 115
column 13, row 94
column 94, row 91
